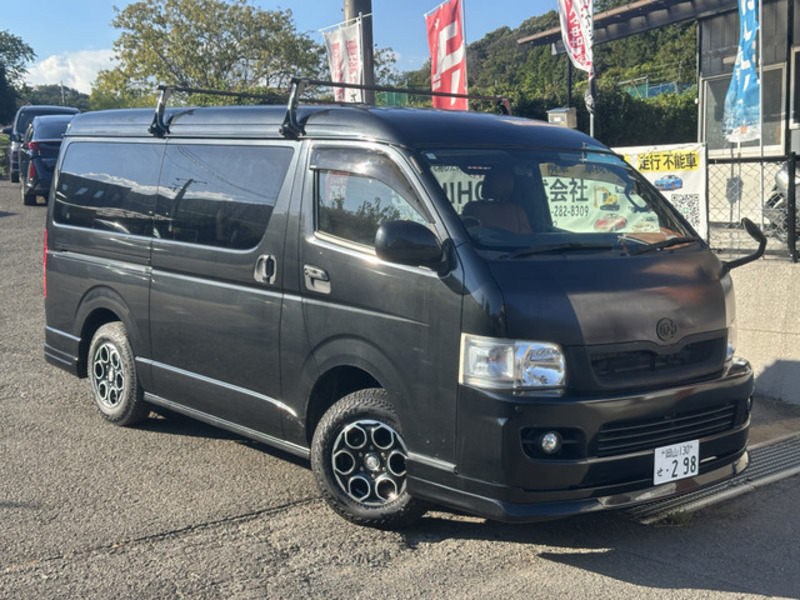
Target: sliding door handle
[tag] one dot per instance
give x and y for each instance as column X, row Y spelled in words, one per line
column 265, row 270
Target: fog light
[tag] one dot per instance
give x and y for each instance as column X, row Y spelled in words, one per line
column 551, row 442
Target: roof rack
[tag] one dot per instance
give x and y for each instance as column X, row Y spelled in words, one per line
column 291, row 127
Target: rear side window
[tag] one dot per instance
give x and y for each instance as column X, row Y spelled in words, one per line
column 217, row 195
column 108, row 186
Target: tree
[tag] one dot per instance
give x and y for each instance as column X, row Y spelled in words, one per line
column 14, row 55
column 56, row 94
column 214, row 44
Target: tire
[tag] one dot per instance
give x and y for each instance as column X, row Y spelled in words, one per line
column 27, row 198
column 115, row 386
column 14, row 177
column 358, row 457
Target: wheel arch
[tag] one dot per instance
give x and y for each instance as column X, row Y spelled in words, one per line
column 99, row 306
column 332, row 386
column 347, row 366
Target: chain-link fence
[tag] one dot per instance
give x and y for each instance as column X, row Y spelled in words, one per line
column 760, row 189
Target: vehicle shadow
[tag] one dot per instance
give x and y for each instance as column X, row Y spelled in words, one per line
column 781, row 379
column 163, row 421
column 743, row 546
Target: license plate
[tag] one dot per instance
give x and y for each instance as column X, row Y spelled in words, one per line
column 675, row 462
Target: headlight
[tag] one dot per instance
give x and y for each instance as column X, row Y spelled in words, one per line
column 730, row 352
column 510, row 364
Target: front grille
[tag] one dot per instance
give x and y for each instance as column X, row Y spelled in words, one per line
column 624, row 437
column 611, row 365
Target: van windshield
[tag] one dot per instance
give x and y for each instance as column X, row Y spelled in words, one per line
column 520, row 200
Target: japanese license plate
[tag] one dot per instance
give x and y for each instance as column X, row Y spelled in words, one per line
column 676, row 462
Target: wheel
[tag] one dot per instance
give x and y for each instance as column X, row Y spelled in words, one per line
column 28, row 199
column 358, row 457
column 14, row 177
column 112, row 373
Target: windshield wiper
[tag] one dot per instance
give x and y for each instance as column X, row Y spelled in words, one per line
column 665, row 244
column 562, row 247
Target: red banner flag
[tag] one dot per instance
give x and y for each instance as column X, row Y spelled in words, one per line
column 577, row 32
column 448, row 54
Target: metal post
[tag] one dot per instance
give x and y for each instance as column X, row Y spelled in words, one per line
column 569, row 82
column 791, row 217
column 352, row 10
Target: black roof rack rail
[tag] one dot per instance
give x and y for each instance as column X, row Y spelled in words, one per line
column 291, row 126
column 160, row 128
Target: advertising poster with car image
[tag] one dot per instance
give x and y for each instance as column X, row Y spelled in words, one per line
column 679, row 172
column 585, row 198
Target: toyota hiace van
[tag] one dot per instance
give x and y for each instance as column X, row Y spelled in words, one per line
column 432, row 307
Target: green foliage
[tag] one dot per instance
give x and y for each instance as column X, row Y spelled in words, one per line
column 14, row 55
column 55, row 94
column 536, row 79
column 8, row 99
column 212, row 44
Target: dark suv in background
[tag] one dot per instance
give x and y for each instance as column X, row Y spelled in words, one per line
column 38, row 154
column 22, row 119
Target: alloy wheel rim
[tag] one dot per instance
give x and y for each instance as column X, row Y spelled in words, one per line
column 108, row 376
column 369, row 463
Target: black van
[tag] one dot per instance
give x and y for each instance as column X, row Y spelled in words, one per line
column 431, row 306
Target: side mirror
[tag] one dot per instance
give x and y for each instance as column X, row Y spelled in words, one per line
column 7, row 130
column 408, row 243
column 754, row 232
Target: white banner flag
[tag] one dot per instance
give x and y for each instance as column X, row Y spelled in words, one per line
column 345, row 60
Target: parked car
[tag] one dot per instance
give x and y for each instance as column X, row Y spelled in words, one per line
column 385, row 293
column 22, row 119
column 38, row 155
column 669, row 182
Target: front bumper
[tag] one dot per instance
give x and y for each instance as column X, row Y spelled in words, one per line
column 498, row 476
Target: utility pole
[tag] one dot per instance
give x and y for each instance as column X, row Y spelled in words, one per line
column 352, row 9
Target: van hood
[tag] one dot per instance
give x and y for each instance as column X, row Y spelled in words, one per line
column 586, row 300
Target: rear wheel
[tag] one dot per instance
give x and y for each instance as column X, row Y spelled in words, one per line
column 28, row 199
column 112, row 373
column 358, row 456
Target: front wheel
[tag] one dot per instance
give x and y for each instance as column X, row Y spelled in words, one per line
column 358, row 456
column 112, row 373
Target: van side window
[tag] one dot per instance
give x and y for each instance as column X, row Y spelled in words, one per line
column 219, row 195
column 358, row 190
column 108, row 186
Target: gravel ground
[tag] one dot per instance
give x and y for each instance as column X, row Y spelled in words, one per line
column 177, row 509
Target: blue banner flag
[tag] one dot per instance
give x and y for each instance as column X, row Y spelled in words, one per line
column 741, row 121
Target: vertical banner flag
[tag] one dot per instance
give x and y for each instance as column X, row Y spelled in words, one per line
column 577, row 32
column 345, row 60
column 741, row 120
column 448, row 54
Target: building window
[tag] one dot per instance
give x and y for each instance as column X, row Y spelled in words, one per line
column 714, row 91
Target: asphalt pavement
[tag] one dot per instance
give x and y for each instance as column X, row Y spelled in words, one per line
column 178, row 509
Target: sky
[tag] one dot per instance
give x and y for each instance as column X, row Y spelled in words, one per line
column 73, row 39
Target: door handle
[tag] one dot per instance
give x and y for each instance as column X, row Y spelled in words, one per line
column 317, row 280
column 265, row 270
